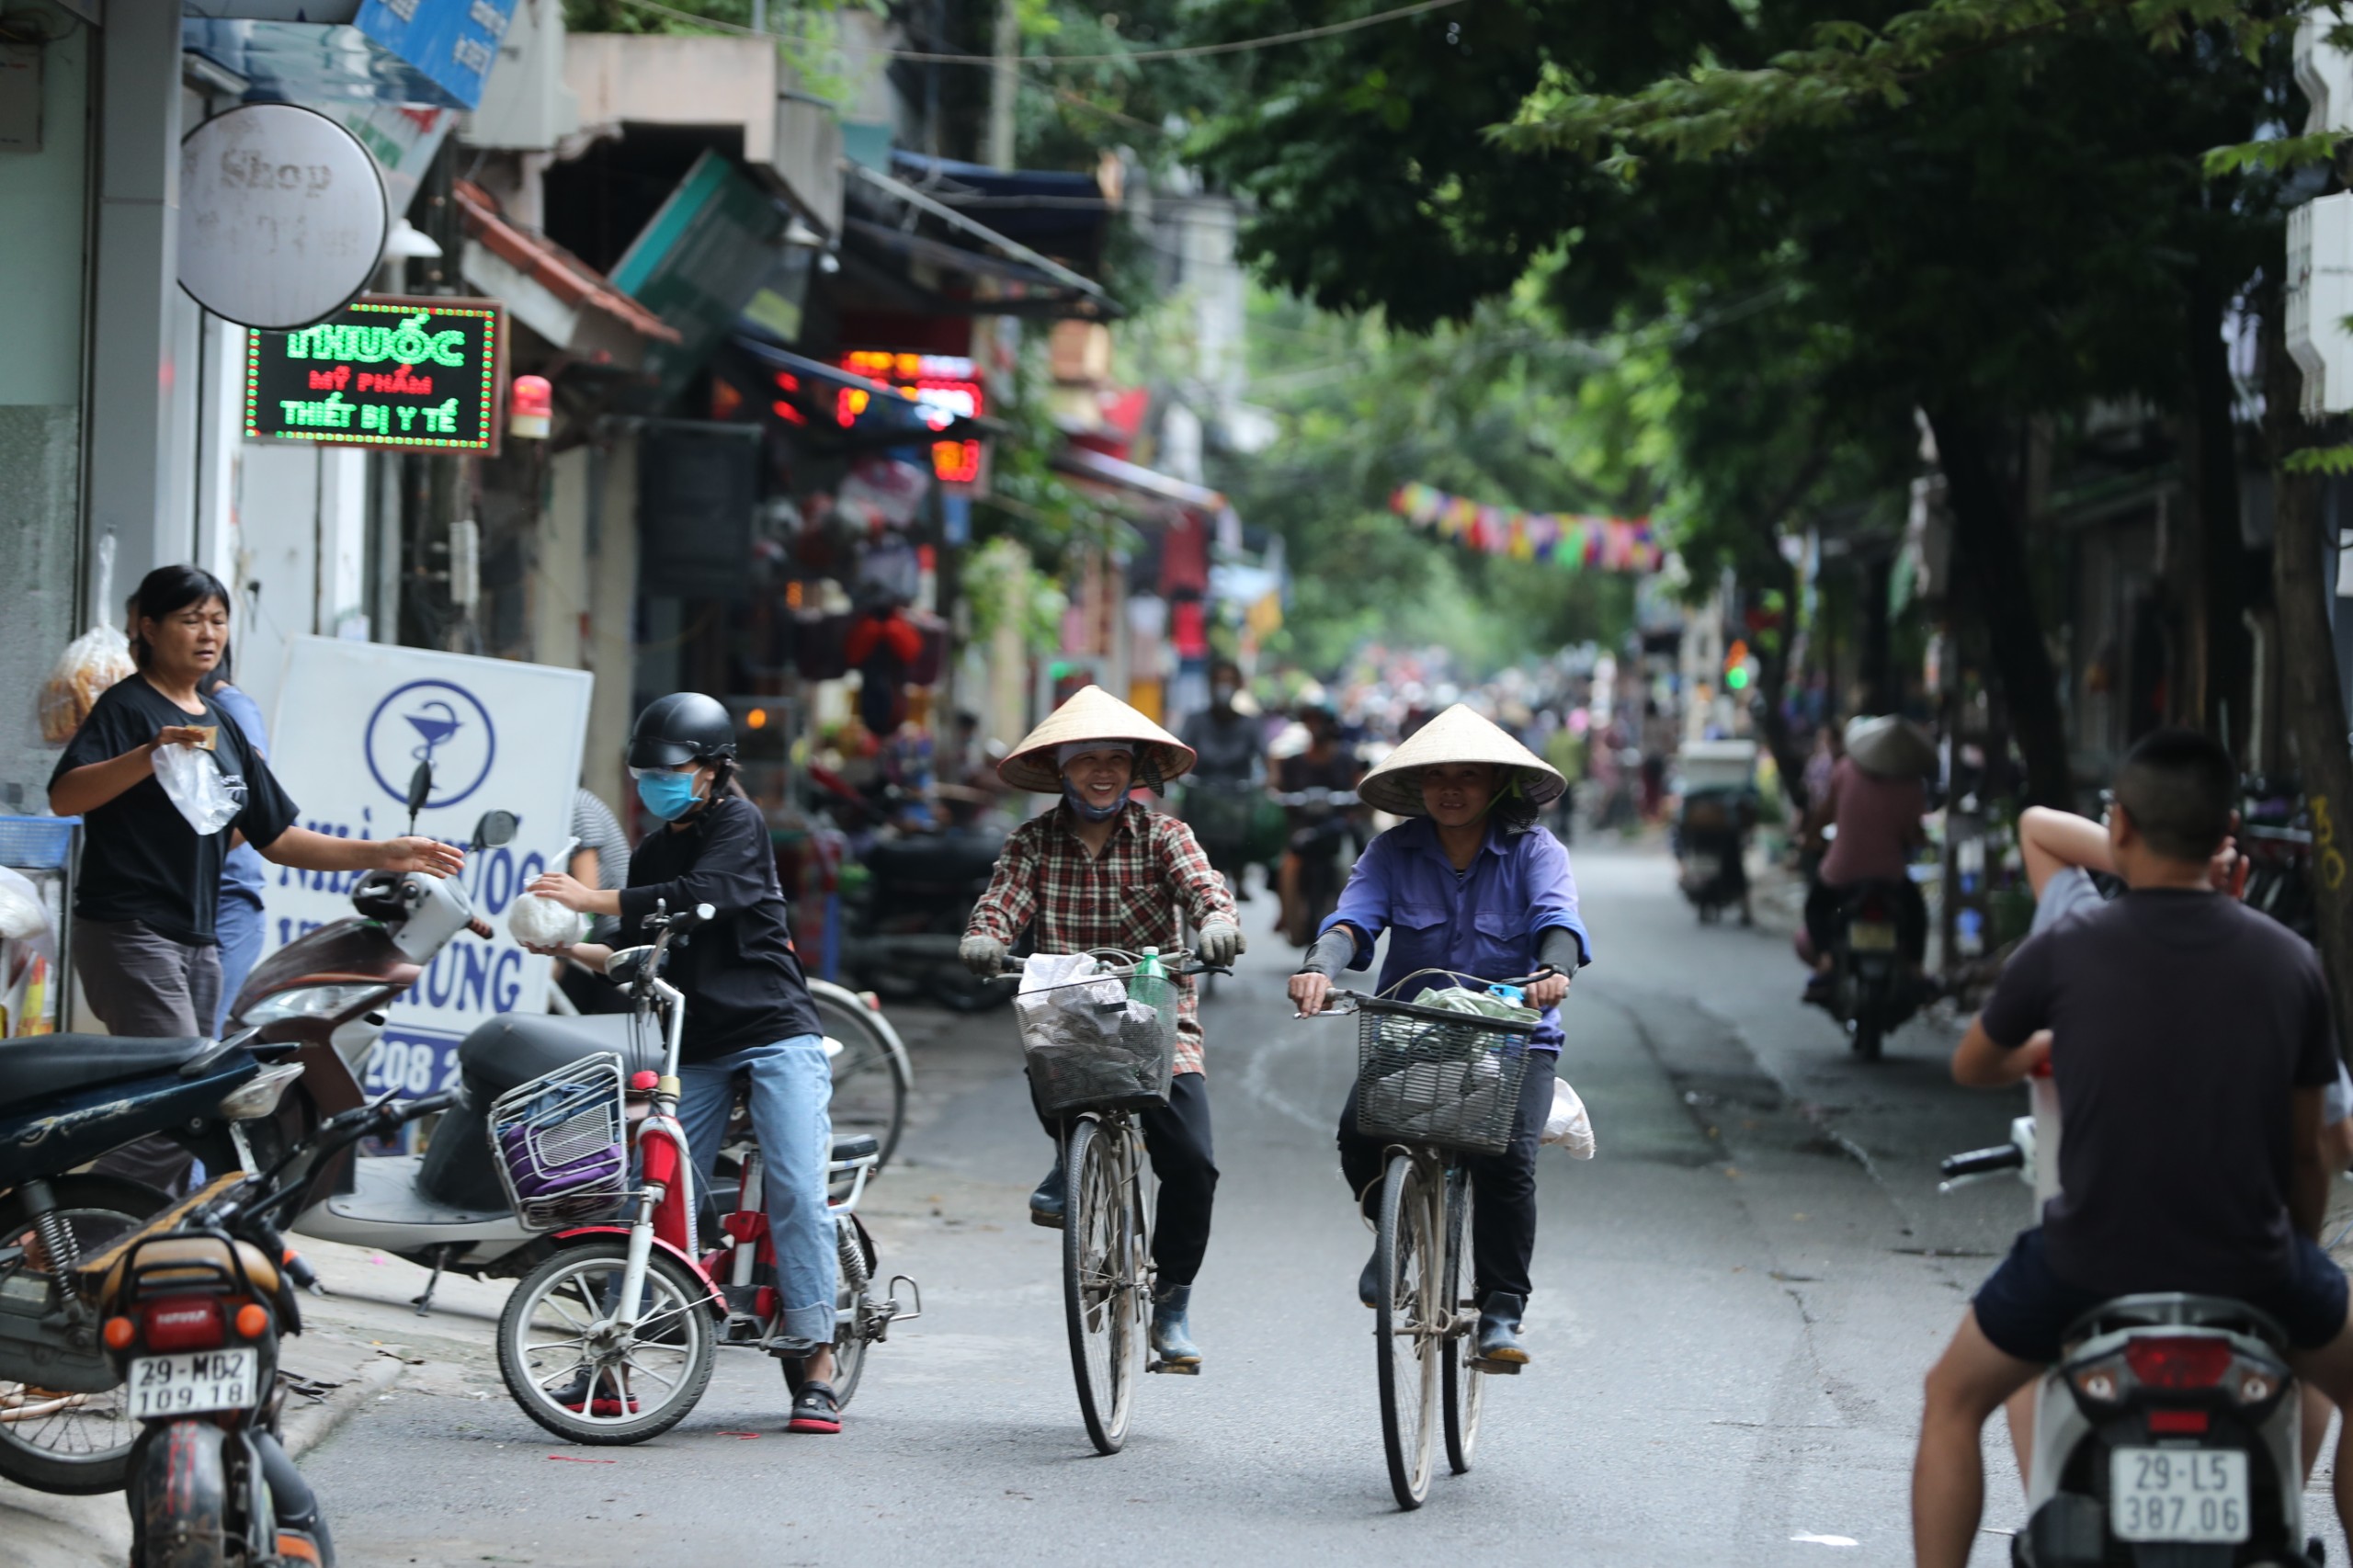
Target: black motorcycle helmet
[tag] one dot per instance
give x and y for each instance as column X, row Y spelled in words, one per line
column 685, row 726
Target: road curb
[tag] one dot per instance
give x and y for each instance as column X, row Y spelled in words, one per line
column 306, row 1428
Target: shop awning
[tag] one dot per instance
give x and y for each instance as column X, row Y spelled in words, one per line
column 1081, row 462
column 897, row 233
column 1051, row 211
column 550, row 290
column 822, row 399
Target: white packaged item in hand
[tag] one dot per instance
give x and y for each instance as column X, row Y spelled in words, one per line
column 1568, row 1125
column 192, row 779
column 539, row 922
column 20, row 915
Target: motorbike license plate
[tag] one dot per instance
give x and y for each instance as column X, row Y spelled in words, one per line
column 2177, row 1495
column 182, row 1385
column 1871, row 936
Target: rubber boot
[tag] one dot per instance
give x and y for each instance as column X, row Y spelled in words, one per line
column 1172, row 1337
column 1499, row 1329
column 1047, row 1204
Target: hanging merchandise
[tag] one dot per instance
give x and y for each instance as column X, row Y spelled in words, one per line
column 882, row 646
column 91, row 663
column 1571, row 541
column 882, row 492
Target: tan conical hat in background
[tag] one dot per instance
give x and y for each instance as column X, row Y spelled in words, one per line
column 1094, row 714
column 1891, row 746
column 1459, row 734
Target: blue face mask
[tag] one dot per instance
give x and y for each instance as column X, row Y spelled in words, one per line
column 1092, row 813
column 667, row 795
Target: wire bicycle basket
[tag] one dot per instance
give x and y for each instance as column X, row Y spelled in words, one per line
column 1102, row 1041
column 559, row 1143
column 1437, row 1075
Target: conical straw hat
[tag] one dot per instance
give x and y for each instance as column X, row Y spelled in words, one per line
column 1459, row 734
column 1891, row 746
column 1094, row 714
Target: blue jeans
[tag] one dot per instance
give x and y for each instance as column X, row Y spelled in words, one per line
column 791, row 1088
column 237, row 925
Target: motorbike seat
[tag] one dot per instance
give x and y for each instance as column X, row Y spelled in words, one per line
column 856, row 1146
column 934, row 858
column 48, row 1065
column 515, row 1048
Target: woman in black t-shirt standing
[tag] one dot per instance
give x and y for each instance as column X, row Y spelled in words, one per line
column 150, row 884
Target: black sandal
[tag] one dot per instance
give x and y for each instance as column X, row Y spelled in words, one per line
column 815, row 1409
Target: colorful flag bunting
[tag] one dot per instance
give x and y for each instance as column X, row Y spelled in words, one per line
column 1570, row 540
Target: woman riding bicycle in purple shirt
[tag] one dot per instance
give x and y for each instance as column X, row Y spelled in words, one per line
column 1472, row 886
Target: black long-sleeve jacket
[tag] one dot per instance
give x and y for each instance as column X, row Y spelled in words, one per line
column 741, row 974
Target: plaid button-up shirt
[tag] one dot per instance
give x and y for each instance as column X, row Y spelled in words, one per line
column 1151, row 877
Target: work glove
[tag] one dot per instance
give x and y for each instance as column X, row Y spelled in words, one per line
column 983, row 955
column 1221, row 943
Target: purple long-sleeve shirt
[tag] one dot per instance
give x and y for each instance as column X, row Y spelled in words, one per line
column 1487, row 922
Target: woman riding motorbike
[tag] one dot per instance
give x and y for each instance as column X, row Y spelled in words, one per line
column 749, row 1015
column 1875, row 799
column 1469, row 886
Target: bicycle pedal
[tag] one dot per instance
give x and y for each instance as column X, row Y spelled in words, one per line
column 1183, row 1368
column 1512, row 1369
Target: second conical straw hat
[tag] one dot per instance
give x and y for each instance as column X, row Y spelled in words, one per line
column 1459, row 734
column 1094, row 714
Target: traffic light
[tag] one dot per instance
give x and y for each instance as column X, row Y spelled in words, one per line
column 1736, row 671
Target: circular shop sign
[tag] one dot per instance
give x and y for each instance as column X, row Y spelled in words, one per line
column 282, row 215
column 435, row 721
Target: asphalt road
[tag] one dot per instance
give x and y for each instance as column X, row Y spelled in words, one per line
column 1734, row 1303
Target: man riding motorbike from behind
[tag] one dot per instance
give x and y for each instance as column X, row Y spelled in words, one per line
column 1222, row 789
column 1310, row 877
column 1875, row 801
column 2172, row 1001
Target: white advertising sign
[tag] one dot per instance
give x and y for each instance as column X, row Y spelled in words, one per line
column 282, row 215
column 353, row 721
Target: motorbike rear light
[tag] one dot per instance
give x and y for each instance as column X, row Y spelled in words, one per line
column 119, row 1333
column 253, row 1320
column 2176, row 1422
column 2178, row 1363
column 184, row 1322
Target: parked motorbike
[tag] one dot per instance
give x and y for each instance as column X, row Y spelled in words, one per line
column 903, row 916
column 1321, row 823
column 1870, row 989
column 194, row 1306
column 2169, row 1435
column 63, row 1425
column 610, row 1338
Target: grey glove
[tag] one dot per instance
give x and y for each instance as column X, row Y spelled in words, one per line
column 985, row 956
column 1221, row 943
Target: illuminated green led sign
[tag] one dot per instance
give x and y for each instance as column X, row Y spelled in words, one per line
column 421, row 374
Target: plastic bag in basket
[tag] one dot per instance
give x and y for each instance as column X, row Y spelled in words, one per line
column 91, row 663
column 1441, row 1101
column 192, row 779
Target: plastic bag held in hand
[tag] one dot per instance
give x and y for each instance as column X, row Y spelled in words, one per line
column 539, row 922
column 1568, row 1125
column 192, row 779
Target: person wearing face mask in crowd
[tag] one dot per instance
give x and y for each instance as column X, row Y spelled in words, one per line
column 1468, row 885
column 1225, row 780
column 1101, row 871
column 749, row 1014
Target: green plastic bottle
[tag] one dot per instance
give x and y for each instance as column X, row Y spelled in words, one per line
column 1150, row 964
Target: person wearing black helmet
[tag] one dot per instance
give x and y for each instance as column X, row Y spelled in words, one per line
column 749, row 1015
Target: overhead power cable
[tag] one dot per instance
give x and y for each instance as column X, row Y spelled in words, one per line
column 1188, row 52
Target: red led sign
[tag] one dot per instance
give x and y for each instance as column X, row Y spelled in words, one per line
column 945, row 386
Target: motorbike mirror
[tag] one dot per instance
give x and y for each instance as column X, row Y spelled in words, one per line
column 495, row 829
column 420, row 789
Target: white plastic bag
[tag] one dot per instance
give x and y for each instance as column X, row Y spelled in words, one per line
column 539, row 922
column 21, row 916
column 192, row 779
column 91, row 663
column 1568, row 1125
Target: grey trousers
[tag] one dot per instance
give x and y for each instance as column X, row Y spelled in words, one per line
column 143, row 984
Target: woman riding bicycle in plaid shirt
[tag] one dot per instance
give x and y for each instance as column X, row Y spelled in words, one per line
column 1101, row 871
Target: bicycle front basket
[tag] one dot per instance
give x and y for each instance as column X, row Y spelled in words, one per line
column 1096, row 1054
column 558, row 1142
column 1433, row 1075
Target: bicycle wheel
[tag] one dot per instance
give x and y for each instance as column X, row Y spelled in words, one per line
column 871, row 1074
column 1409, row 1343
column 587, row 1383
column 1103, row 1284
column 1466, row 1386
column 72, row 1443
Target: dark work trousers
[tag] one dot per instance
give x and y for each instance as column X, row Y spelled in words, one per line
column 142, row 984
column 1503, row 1186
column 1177, row 1137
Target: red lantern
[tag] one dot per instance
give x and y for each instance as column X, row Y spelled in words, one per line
column 530, row 408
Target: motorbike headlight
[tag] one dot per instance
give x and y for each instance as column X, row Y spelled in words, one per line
column 309, row 1002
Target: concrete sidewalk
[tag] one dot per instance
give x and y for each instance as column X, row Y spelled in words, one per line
column 358, row 1343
